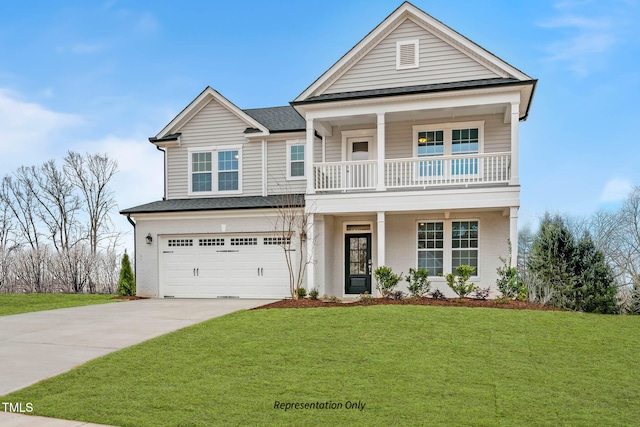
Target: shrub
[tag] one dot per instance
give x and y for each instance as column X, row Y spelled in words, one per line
column 418, row 283
column 482, row 293
column 438, row 295
column 366, row 297
column 331, row 298
column 302, row 292
column 458, row 282
column 313, row 293
column 509, row 282
column 126, row 283
column 386, row 280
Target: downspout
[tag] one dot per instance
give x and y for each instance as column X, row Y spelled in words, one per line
column 135, row 263
column 164, row 164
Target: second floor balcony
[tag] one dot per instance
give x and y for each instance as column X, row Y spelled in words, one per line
column 413, row 173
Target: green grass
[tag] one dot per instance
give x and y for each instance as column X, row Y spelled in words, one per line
column 25, row 303
column 410, row 365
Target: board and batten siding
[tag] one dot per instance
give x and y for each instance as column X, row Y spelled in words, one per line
column 213, row 125
column 439, row 62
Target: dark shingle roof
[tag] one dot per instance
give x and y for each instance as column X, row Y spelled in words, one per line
column 278, row 119
column 217, row 203
column 409, row 90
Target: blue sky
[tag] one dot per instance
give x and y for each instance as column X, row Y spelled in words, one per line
column 103, row 76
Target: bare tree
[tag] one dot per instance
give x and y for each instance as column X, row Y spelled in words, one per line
column 58, row 206
column 18, row 194
column 292, row 228
column 7, row 240
column 91, row 175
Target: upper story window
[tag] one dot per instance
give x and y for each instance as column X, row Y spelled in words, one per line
column 295, row 160
column 215, row 170
column 449, row 139
column 407, row 54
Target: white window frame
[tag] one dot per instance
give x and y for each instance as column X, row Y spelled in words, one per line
column 448, row 129
column 214, row 150
column 295, row 143
column 416, row 45
column 447, row 259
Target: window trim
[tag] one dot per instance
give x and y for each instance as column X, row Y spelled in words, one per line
column 214, row 150
column 447, row 259
column 294, row 143
column 448, row 129
column 416, row 62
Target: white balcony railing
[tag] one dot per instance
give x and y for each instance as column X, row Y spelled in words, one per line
column 421, row 172
column 345, row 175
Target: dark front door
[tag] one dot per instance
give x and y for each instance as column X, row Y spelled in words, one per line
column 357, row 249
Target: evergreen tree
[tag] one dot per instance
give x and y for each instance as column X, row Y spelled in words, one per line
column 127, row 283
column 575, row 270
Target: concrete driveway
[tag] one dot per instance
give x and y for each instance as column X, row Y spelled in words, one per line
column 39, row 345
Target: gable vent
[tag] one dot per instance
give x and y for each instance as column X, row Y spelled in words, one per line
column 407, row 54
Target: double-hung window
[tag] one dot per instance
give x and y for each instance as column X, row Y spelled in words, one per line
column 295, row 160
column 215, row 170
column 448, row 139
column 430, row 144
column 464, row 244
column 464, row 141
column 431, row 247
column 445, row 245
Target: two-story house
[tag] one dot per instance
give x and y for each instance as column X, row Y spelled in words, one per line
column 404, row 153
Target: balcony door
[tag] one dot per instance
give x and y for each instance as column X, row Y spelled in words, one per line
column 359, row 170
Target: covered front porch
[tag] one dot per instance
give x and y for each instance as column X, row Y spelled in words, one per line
column 346, row 248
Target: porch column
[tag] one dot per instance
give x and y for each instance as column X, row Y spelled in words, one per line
column 309, row 252
column 515, row 121
column 381, row 144
column 513, row 235
column 309, row 157
column 381, row 239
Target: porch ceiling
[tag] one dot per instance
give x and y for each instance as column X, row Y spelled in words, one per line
column 370, row 120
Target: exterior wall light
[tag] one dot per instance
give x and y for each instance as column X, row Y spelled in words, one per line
column 149, row 239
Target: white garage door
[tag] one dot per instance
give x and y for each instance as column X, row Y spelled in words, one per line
column 214, row 266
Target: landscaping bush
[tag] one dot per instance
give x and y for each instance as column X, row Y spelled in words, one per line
column 302, row 292
column 482, row 293
column 509, row 282
column 418, row 283
column 313, row 293
column 458, row 282
column 438, row 295
column 386, row 280
column 127, row 282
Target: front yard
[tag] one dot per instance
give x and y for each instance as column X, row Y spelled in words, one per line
column 25, row 303
column 376, row 365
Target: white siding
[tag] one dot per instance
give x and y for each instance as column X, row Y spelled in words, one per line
column 211, row 126
column 277, row 182
column 401, row 246
column 439, row 63
column 399, row 136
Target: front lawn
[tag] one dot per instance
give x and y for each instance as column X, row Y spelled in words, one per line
column 25, row 303
column 408, row 365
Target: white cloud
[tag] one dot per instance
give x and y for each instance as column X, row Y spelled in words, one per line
column 27, row 125
column 616, row 190
column 583, row 34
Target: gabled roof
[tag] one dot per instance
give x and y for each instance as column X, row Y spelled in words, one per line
column 278, row 119
column 402, row 13
column 218, row 203
column 205, row 97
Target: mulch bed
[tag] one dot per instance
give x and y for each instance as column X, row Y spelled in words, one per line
column 129, row 297
column 451, row 302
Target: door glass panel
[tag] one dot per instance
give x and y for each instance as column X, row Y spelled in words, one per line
column 358, row 255
column 360, row 151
